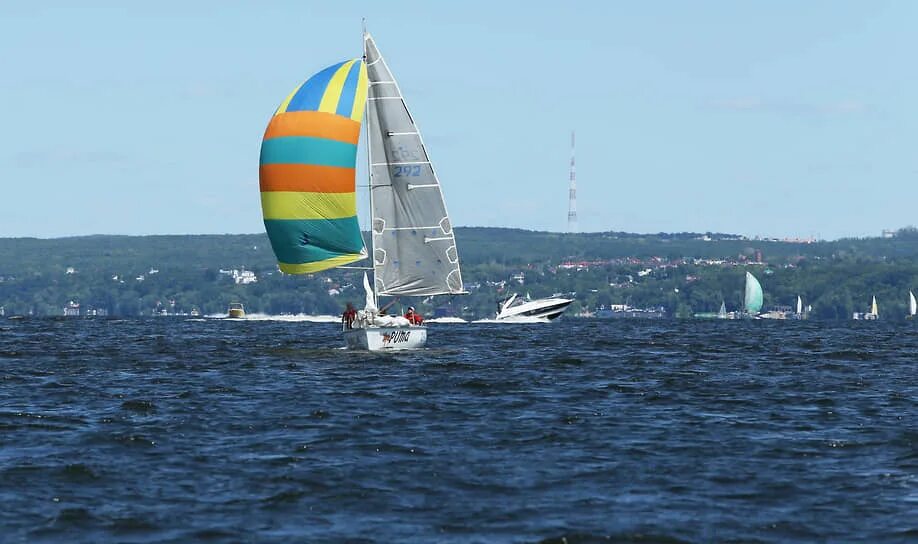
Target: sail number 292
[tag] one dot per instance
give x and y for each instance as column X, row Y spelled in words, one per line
column 407, row 171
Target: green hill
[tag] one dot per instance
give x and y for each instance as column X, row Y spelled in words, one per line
column 684, row 272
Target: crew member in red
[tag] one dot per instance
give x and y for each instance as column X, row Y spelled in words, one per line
column 412, row 317
column 349, row 315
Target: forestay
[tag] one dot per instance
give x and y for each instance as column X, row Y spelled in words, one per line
column 414, row 250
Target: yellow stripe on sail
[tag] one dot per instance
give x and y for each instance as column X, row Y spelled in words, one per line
column 360, row 100
column 329, row 103
column 295, row 205
column 318, row 266
column 283, row 106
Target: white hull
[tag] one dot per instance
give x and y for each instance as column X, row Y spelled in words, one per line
column 543, row 308
column 386, row 338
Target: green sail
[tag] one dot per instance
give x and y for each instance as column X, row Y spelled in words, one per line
column 753, row 299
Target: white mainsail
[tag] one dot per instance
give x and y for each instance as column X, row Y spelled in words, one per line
column 912, row 304
column 799, row 305
column 873, row 307
column 414, row 250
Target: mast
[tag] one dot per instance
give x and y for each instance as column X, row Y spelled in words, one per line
column 366, row 126
column 572, row 193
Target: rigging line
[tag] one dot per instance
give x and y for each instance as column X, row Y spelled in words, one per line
column 409, row 228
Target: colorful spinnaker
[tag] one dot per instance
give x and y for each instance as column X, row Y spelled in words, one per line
column 307, row 171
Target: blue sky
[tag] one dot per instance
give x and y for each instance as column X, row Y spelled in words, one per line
column 780, row 118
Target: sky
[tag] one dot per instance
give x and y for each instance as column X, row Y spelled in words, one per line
column 781, row 118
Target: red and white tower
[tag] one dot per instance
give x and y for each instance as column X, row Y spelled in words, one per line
column 572, row 194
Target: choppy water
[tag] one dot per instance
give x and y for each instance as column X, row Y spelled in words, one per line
column 227, row 431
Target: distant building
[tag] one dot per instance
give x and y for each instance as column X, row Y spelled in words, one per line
column 244, row 277
column 241, row 277
column 72, row 309
column 887, row 233
column 2, row 311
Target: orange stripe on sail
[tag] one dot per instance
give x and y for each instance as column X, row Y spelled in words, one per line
column 316, row 124
column 306, row 178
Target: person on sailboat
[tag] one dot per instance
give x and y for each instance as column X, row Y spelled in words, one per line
column 349, row 315
column 413, row 317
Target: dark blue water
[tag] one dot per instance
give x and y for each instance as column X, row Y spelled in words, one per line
column 228, row 431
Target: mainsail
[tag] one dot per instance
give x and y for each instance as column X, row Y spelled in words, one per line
column 873, row 307
column 753, row 298
column 799, row 305
column 722, row 313
column 307, row 169
column 414, row 250
column 912, row 304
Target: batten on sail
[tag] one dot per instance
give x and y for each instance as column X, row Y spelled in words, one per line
column 307, row 171
column 414, row 249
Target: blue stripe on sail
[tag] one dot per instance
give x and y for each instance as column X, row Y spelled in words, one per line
column 298, row 241
column 308, row 150
column 310, row 93
column 349, row 91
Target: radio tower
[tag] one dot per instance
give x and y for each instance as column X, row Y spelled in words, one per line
column 572, row 194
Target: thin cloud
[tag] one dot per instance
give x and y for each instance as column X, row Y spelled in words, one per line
column 756, row 104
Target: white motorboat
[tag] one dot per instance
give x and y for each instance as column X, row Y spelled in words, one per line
column 544, row 308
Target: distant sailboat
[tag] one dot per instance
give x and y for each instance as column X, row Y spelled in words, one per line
column 722, row 313
column 753, row 298
column 799, row 305
column 912, row 305
column 874, row 310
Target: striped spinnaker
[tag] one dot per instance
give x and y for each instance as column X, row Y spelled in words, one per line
column 307, row 171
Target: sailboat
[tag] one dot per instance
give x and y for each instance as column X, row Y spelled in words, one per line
column 874, row 312
column 912, row 305
column 753, row 296
column 722, row 313
column 308, row 194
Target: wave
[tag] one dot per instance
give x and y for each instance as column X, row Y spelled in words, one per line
column 281, row 317
column 515, row 320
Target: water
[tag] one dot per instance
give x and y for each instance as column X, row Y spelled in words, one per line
column 169, row 430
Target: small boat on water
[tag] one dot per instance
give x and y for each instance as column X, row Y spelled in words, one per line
column 872, row 315
column 912, row 305
column 236, row 310
column 543, row 308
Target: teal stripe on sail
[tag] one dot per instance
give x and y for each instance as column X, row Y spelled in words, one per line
column 297, row 241
column 308, row 150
